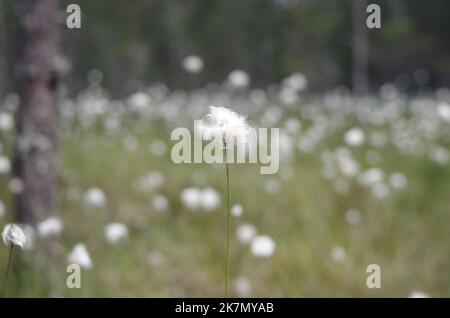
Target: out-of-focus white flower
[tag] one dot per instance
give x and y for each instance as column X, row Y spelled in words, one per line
column 155, row 258
column 13, row 235
column 354, row 137
column 440, row 155
column 418, row 294
column 114, row 232
column 150, row 182
column 245, row 232
column 5, row 165
column 160, row 203
column 398, row 180
column 50, row 227
column 272, row 186
column 262, row 246
column 296, row 81
column 194, row 198
column 338, row 254
column 380, row 190
column 15, row 185
column 80, row 255
column 158, row 148
column 94, row 197
column 443, row 111
column 353, row 216
column 242, row 287
column 6, row 121
column 229, row 127
column 30, row 235
column 191, row 198
column 237, row 210
column 139, row 101
column 371, row 177
column 2, row 209
column 210, row 199
column 239, row 79
column 193, row 64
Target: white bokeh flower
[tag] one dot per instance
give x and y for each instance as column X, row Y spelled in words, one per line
column 237, row 210
column 94, row 197
column 354, row 137
column 160, row 203
column 245, row 232
column 80, row 255
column 238, row 79
column 114, row 232
column 418, row 294
column 191, row 198
column 338, row 254
column 13, row 235
column 210, row 199
column 262, row 246
column 193, row 64
column 2, row 209
column 242, row 287
column 50, row 227
column 229, row 127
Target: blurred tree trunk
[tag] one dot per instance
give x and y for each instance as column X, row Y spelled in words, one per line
column 360, row 47
column 35, row 157
column 3, row 51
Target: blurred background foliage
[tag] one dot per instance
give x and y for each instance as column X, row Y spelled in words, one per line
column 139, row 41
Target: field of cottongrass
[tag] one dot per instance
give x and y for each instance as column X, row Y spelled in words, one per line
column 361, row 181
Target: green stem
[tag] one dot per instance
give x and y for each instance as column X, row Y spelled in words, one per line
column 227, row 273
column 11, row 249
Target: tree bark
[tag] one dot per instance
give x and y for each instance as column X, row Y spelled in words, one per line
column 360, row 47
column 3, row 51
column 35, row 151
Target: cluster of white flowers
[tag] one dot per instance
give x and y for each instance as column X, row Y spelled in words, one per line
column 195, row 198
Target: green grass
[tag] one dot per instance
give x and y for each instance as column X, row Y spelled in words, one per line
column 407, row 234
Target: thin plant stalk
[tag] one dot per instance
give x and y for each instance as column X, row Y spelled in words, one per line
column 11, row 249
column 227, row 270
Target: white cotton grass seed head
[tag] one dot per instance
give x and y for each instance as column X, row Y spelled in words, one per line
column 262, row 246
column 238, row 79
column 398, row 180
column 245, row 232
column 353, row 216
column 6, row 121
column 30, row 234
column 156, row 258
column 160, row 203
column 210, row 199
column 13, row 235
column 94, row 197
column 2, row 209
column 114, row 232
column 242, row 287
column 227, row 126
column 237, row 210
column 418, row 294
column 5, row 165
column 354, row 137
column 80, row 256
column 193, row 64
column 191, row 198
column 50, row 227
column 338, row 254
column 15, row 185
